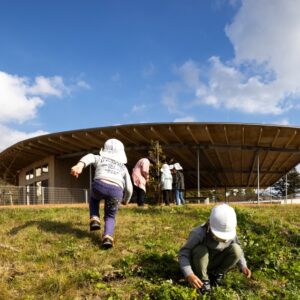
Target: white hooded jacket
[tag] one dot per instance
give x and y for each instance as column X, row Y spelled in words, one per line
column 166, row 178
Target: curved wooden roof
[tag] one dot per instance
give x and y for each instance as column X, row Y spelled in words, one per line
column 228, row 153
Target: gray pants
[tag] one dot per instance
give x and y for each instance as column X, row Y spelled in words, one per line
column 205, row 261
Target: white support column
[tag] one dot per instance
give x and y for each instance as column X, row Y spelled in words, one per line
column 43, row 195
column 86, row 196
column 157, row 159
column 28, row 195
column 258, row 178
column 10, row 198
column 198, row 176
column 286, row 188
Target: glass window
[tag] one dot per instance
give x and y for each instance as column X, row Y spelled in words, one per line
column 38, row 171
column 45, row 169
column 29, row 175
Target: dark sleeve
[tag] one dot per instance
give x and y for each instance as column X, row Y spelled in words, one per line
column 196, row 237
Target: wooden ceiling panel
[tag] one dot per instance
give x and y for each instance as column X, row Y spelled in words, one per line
column 228, row 152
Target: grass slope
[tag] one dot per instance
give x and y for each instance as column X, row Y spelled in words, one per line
column 48, row 253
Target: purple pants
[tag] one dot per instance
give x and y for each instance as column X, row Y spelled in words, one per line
column 112, row 196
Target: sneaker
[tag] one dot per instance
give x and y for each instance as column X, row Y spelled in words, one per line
column 216, row 279
column 95, row 223
column 107, row 242
column 205, row 288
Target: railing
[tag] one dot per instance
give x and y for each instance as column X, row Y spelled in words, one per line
column 290, row 199
column 29, row 195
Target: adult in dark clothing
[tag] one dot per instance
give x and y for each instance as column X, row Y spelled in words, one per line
column 173, row 172
column 179, row 185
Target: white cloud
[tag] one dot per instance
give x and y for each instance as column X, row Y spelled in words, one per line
column 20, row 99
column 10, row 136
column 263, row 77
column 185, row 119
column 230, row 88
column 284, row 122
column 53, row 86
column 83, row 84
column 170, row 96
column 138, row 108
column 190, row 74
column 268, row 32
column 219, row 4
column 15, row 101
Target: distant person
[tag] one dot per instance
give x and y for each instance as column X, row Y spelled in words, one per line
column 211, row 250
column 179, row 184
column 173, row 172
column 140, row 177
column 111, row 182
column 166, row 180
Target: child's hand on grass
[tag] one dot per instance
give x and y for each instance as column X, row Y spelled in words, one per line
column 194, row 281
column 247, row 272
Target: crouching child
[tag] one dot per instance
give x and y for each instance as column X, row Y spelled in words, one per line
column 211, row 250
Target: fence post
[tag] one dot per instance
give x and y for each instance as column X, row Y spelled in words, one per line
column 25, row 195
column 43, row 196
column 10, row 198
column 86, row 196
column 28, row 196
column 286, row 187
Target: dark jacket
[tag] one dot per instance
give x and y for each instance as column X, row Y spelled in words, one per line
column 180, row 180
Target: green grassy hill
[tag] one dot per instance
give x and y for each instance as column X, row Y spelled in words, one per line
column 48, row 253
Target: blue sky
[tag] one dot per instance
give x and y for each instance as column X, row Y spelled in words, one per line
column 74, row 64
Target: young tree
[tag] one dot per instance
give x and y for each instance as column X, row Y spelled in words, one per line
column 156, row 153
column 292, row 183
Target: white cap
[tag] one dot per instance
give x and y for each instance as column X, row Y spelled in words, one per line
column 177, row 166
column 165, row 169
column 223, row 222
column 114, row 149
column 171, row 167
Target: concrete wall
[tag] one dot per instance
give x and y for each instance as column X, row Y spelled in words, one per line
column 48, row 176
column 63, row 177
column 58, row 174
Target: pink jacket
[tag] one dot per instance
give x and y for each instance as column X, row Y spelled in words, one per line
column 140, row 173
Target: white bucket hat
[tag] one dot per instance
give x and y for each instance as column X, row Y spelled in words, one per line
column 178, row 167
column 114, row 149
column 165, row 169
column 222, row 222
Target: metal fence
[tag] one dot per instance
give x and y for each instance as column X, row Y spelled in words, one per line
column 29, row 195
